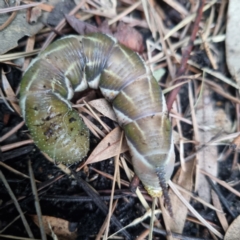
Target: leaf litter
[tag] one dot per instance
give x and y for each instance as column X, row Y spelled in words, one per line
column 204, row 115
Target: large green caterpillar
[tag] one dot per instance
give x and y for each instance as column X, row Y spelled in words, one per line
column 75, row 63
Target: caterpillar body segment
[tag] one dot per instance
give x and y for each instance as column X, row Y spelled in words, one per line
column 75, row 63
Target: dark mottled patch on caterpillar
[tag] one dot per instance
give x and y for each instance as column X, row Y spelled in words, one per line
column 72, row 119
column 81, row 133
column 49, row 132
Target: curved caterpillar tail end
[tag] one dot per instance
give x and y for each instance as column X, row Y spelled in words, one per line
column 162, row 181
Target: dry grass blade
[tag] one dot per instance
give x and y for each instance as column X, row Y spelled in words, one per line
column 220, row 17
column 223, row 183
column 178, row 7
column 218, row 75
column 95, row 115
column 124, row 13
column 15, row 145
column 25, row 223
column 167, row 219
column 138, row 220
column 36, row 200
column 196, row 214
column 208, row 51
column 198, row 199
column 101, row 231
column 13, row 56
column 102, row 206
column 93, row 128
column 187, row 20
column 116, row 173
column 12, row 131
column 123, row 182
column 14, row 170
column 16, row 237
column 29, row 48
column 15, row 219
column 10, row 93
column 150, row 236
column 12, row 9
column 5, row 101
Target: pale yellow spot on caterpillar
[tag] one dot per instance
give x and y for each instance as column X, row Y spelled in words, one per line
column 55, row 49
column 55, row 82
column 127, row 56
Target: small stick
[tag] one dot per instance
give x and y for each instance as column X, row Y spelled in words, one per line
column 150, row 236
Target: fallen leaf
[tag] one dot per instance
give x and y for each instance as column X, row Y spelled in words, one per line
column 221, row 215
column 125, row 34
column 19, row 27
column 108, row 147
column 82, row 27
column 60, row 227
column 233, row 231
column 104, row 107
column 129, row 37
column 185, row 180
column 58, row 13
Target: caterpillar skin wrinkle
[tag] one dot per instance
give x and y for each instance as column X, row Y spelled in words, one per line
column 74, row 63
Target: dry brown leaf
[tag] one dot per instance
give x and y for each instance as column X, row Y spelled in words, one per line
column 185, row 180
column 233, row 39
column 10, row 93
column 59, row 226
column 108, row 147
column 104, row 107
column 214, row 121
column 19, row 27
column 221, row 216
column 233, row 232
column 129, row 37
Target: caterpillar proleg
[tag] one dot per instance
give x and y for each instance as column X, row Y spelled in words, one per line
column 75, row 63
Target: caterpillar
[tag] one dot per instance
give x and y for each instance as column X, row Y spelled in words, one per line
column 74, row 63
